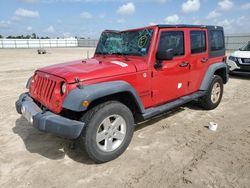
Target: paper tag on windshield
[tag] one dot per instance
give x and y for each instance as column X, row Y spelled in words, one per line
column 119, row 63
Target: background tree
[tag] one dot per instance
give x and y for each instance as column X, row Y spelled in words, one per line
column 33, row 36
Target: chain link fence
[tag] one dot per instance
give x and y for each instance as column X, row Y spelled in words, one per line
column 87, row 42
column 234, row 42
column 47, row 43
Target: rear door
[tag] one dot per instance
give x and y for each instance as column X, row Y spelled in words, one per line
column 170, row 81
column 198, row 57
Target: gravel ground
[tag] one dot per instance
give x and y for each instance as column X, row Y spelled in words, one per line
column 173, row 150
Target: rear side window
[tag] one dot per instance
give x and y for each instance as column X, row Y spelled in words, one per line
column 172, row 40
column 216, row 40
column 198, row 41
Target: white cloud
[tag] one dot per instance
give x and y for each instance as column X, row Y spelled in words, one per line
column 197, row 22
column 160, row 1
column 26, row 13
column 225, row 5
column 86, row 15
column 121, row 20
column 89, row 1
column 50, row 29
column 29, row 28
column 102, row 16
column 28, row 1
column 191, row 6
column 227, row 24
column 233, row 25
column 126, row 9
column 246, row 6
column 241, row 21
column 173, row 19
column 152, row 23
column 4, row 24
column 213, row 14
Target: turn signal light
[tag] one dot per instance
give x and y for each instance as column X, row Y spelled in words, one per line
column 85, row 104
column 57, row 104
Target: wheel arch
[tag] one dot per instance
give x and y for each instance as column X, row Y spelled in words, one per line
column 222, row 72
column 98, row 93
column 125, row 98
column 219, row 69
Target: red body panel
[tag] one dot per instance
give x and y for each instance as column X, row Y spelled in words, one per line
column 165, row 80
column 197, row 67
column 154, row 86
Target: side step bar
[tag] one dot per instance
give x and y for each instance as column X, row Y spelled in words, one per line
column 170, row 105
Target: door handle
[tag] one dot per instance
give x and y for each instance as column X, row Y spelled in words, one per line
column 184, row 64
column 204, row 60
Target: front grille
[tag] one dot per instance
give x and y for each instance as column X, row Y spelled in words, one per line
column 245, row 60
column 44, row 88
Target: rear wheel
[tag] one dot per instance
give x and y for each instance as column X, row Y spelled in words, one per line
column 108, row 131
column 213, row 97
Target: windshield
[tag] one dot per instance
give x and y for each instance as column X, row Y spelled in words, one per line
column 246, row 47
column 135, row 43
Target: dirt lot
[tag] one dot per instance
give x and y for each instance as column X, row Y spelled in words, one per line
column 174, row 150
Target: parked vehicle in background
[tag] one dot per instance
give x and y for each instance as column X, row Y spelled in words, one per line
column 239, row 61
column 133, row 76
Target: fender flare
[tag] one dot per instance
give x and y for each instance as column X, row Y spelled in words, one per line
column 28, row 82
column 73, row 101
column 210, row 73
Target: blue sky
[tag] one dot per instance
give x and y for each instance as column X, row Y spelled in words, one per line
column 87, row 18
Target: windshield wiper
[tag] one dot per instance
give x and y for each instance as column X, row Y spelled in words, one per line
column 102, row 53
column 125, row 55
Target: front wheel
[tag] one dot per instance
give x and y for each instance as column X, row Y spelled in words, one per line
column 108, row 131
column 213, row 97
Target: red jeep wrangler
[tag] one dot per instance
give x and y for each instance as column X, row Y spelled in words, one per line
column 133, row 76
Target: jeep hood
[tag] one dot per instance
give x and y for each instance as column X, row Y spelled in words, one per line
column 90, row 69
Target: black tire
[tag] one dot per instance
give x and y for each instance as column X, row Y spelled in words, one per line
column 206, row 101
column 93, row 120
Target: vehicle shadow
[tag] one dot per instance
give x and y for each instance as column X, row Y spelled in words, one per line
column 158, row 118
column 48, row 145
column 194, row 105
column 240, row 76
column 56, row 148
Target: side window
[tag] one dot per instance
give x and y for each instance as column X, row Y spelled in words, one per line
column 198, row 41
column 172, row 40
column 216, row 40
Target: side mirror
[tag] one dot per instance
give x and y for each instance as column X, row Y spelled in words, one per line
column 165, row 55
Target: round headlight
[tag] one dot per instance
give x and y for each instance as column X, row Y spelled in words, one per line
column 63, row 88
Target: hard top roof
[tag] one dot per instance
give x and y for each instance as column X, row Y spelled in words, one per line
column 210, row 27
column 189, row 26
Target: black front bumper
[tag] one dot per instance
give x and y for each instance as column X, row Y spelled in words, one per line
column 242, row 68
column 48, row 121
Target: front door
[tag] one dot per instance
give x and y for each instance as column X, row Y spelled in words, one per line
column 170, row 81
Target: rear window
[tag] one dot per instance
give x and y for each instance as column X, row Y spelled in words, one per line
column 216, row 40
column 198, row 41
